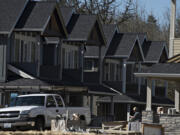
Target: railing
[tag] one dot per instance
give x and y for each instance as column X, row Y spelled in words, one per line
column 48, row 71
column 28, row 67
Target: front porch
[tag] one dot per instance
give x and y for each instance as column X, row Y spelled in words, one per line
column 169, row 119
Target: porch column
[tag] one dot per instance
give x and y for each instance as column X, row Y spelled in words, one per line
column 82, row 63
column 39, row 55
column 60, row 60
column 128, row 111
column 100, row 66
column 124, row 76
column 112, row 106
column 172, row 27
column 176, row 96
column 91, row 104
column 139, row 79
column 149, row 95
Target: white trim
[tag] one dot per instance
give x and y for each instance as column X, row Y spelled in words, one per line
column 158, row 75
column 112, row 89
column 28, row 29
column 19, row 72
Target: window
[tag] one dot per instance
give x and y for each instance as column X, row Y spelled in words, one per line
column 59, row 101
column 63, row 57
column 29, row 100
column 112, row 70
column 66, row 59
column 33, row 52
column 69, row 59
column 25, row 53
column 118, row 75
column 106, row 74
column 50, row 102
column 88, row 65
column 76, row 59
column 22, row 49
column 17, row 48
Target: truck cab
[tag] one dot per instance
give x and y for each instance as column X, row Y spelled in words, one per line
column 37, row 110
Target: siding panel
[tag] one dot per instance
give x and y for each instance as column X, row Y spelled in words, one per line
column 3, row 46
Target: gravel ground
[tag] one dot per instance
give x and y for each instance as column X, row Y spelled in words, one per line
column 41, row 133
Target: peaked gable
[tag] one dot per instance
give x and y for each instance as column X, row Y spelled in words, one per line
column 136, row 54
column 81, row 27
column 164, row 56
column 109, row 31
column 122, row 45
column 154, row 50
column 37, row 15
column 54, row 26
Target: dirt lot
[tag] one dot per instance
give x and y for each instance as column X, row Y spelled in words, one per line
column 40, row 133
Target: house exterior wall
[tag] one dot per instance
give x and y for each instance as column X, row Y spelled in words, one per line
column 24, row 47
column 70, row 56
column 3, row 56
column 112, row 70
column 176, row 46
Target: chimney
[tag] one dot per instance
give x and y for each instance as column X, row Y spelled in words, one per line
column 172, row 28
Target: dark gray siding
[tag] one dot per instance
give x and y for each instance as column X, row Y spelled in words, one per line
column 3, row 48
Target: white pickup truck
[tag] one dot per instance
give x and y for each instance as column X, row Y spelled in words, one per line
column 37, row 110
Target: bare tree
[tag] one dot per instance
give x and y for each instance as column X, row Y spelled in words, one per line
column 108, row 10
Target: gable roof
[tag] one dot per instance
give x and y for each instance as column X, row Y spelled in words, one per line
column 37, row 15
column 165, row 71
column 122, row 45
column 66, row 13
column 10, row 11
column 109, row 31
column 80, row 27
column 142, row 37
column 137, row 99
column 153, row 51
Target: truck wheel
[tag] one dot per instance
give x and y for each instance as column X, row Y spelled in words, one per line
column 39, row 124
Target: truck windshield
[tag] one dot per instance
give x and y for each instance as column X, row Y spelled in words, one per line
column 31, row 100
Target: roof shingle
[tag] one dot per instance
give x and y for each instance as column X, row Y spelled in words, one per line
column 167, row 68
column 10, row 11
column 137, row 99
column 80, row 26
column 153, row 50
column 122, row 45
column 36, row 15
column 66, row 13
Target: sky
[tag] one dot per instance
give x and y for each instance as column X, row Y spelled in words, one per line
column 157, row 7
